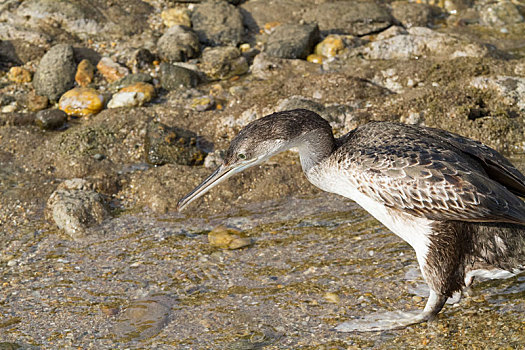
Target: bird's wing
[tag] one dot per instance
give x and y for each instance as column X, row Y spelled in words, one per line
column 406, row 169
column 497, row 167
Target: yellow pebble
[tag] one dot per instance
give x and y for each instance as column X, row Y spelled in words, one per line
column 227, row 238
column 314, row 58
column 332, row 297
column 19, row 75
column 81, row 102
column 147, row 89
column 331, row 46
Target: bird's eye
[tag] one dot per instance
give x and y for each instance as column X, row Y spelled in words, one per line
column 241, row 156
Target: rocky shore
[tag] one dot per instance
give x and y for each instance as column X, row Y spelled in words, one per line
column 115, row 108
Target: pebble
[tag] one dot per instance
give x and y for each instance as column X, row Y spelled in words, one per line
column 56, row 72
column 132, row 96
column 201, row 104
column 178, row 44
column 111, row 70
column 500, row 13
column 142, row 58
column 332, row 297
column 51, row 119
column 292, row 41
column 85, row 73
column 176, row 16
column 131, row 79
column 81, row 102
column 331, row 46
column 412, row 14
column 173, row 77
column 217, row 23
column 315, row 58
column 165, row 144
column 223, row 62
column 227, row 238
column 35, row 102
column 19, row 75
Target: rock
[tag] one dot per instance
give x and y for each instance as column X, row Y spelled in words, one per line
column 132, row 96
column 511, row 89
column 412, row 14
column 292, row 40
column 51, row 119
column 227, row 238
column 257, row 13
column 77, row 18
column 349, row 17
column 332, row 297
column 111, row 70
column 264, row 66
column 201, row 104
column 331, row 46
column 217, row 23
column 131, row 79
column 178, row 44
column 85, row 73
column 500, row 13
column 144, row 318
column 420, row 42
column 315, row 58
column 19, row 75
column 56, row 72
column 223, row 62
column 8, row 56
column 81, row 102
column 176, row 16
column 75, row 206
column 166, row 144
column 142, row 58
column 173, row 77
column 35, row 102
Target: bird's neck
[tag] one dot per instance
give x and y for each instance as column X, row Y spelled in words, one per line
column 315, row 146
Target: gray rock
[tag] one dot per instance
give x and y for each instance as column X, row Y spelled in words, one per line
column 56, row 72
column 217, row 23
column 511, row 89
column 420, row 42
column 84, row 19
column 349, row 17
column 131, row 79
column 500, row 13
column 223, row 62
column 166, row 144
column 256, row 13
column 51, row 119
column 178, row 44
column 75, row 206
column 292, row 40
column 173, row 77
column 413, row 14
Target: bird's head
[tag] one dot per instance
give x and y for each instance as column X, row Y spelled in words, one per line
column 256, row 142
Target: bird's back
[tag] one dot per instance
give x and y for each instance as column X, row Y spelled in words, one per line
column 431, row 173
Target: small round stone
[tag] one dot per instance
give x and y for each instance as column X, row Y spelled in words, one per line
column 315, row 58
column 85, row 73
column 227, row 238
column 51, row 119
column 132, row 95
column 19, row 75
column 112, row 71
column 331, row 46
column 81, row 102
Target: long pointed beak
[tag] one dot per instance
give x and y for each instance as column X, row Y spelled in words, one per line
column 220, row 174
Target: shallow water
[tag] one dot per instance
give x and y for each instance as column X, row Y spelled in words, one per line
column 141, row 281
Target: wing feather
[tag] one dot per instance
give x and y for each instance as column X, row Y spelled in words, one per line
column 426, row 173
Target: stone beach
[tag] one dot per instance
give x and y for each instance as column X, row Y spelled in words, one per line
column 112, row 111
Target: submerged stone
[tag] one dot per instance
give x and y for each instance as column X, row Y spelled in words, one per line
column 227, row 238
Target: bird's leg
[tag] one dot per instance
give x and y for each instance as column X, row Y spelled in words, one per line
column 383, row 321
